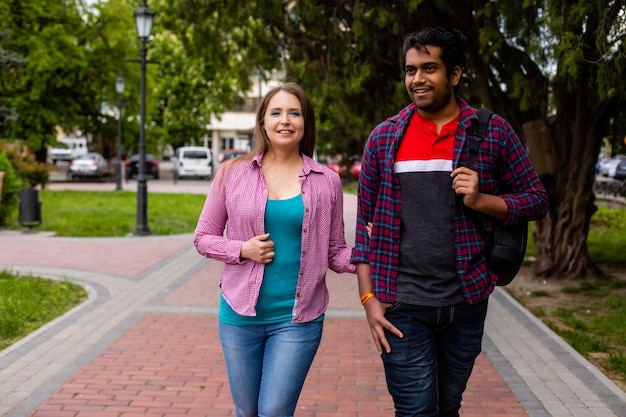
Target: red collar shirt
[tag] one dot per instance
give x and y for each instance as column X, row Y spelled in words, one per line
column 504, row 169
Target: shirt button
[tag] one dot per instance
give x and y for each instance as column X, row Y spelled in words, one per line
column 298, row 294
column 305, row 230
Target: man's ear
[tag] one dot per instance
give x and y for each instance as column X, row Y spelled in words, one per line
column 455, row 77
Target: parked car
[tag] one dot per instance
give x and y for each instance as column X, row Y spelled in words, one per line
column 355, row 169
column 232, row 153
column 350, row 170
column 91, row 164
column 193, row 161
column 600, row 164
column 67, row 149
column 132, row 166
column 607, row 169
column 620, row 170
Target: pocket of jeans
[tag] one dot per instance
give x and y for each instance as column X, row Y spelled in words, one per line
column 482, row 305
column 395, row 306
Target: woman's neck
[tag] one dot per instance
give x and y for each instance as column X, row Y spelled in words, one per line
column 282, row 174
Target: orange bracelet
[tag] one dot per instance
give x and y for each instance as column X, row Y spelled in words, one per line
column 367, row 296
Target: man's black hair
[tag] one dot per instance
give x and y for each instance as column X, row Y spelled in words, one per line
column 452, row 44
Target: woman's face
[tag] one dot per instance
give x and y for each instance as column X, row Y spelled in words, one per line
column 284, row 121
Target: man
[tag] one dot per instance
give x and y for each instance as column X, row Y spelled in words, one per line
column 423, row 277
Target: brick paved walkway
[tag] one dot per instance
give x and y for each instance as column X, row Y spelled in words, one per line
column 145, row 344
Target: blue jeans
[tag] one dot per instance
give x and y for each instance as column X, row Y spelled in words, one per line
column 267, row 365
column 428, row 369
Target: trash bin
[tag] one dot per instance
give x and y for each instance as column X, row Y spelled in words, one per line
column 30, row 207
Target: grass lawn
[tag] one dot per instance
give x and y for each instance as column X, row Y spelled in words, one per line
column 30, row 302
column 114, row 213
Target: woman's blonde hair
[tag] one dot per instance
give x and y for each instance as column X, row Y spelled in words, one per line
column 260, row 140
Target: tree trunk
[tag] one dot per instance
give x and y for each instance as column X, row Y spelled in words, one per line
column 564, row 152
column 561, row 239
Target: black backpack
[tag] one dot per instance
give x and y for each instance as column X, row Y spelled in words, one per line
column 506, row 246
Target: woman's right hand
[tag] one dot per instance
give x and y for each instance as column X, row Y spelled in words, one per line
column 259, row 249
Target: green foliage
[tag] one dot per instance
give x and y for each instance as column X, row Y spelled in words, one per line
column 538, row 312
column 596, row 324
column 587, row 39
column 9, row 61
column 29, row 302
column 191, row 94
column 570, row 319
column 111, row 42
column 617, row 363
column 31, row 172
column 582, row 342
column 10, row 188
column 34, row 173
column 606, row 239
column 206, row 63
column 47, row 92
column 74, row 55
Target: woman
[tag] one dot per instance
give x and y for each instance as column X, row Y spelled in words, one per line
column 283, row 216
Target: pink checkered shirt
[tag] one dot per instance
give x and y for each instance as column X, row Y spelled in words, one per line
column 234, row 212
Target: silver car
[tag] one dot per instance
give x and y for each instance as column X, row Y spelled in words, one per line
column 90, row 165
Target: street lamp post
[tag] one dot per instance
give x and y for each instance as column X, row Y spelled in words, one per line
column 119, row 88
column 143, row 20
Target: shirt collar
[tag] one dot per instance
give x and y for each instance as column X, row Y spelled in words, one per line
column 308, row 166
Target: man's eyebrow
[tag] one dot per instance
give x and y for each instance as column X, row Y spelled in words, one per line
column 423, row 64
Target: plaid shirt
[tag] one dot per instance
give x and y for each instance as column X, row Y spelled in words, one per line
column 504, row 169
column 237, row 197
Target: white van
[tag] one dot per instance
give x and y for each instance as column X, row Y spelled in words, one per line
column 67, row 149
column 193, row 161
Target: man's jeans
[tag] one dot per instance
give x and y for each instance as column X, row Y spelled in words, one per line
column 267, row 365
column 428, row 369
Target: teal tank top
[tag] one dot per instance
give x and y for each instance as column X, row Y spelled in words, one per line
column 283, row 221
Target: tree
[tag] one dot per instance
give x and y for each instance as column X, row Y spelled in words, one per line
column 565, row 80
column 587, row 40
column 555, row 64
column 9, row 61
column 111, row 43
column 74, row 54
column 186, row 92
column 205, row 70
column 45, row 93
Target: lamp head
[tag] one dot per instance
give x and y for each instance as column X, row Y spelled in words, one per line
column 119, row 83
column 143, row 21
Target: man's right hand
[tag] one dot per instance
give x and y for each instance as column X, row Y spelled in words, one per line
column 375, row 312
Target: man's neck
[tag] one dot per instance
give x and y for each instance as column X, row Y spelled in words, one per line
column 443, row 116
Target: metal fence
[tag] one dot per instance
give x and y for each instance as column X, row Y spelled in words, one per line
column 612, row 188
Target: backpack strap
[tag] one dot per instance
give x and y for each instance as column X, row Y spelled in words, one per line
column 480, row 129
column 484, row 115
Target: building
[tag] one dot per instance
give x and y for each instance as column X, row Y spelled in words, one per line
column 234, row 129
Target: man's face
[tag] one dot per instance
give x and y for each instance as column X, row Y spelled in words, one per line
column 426, row 81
